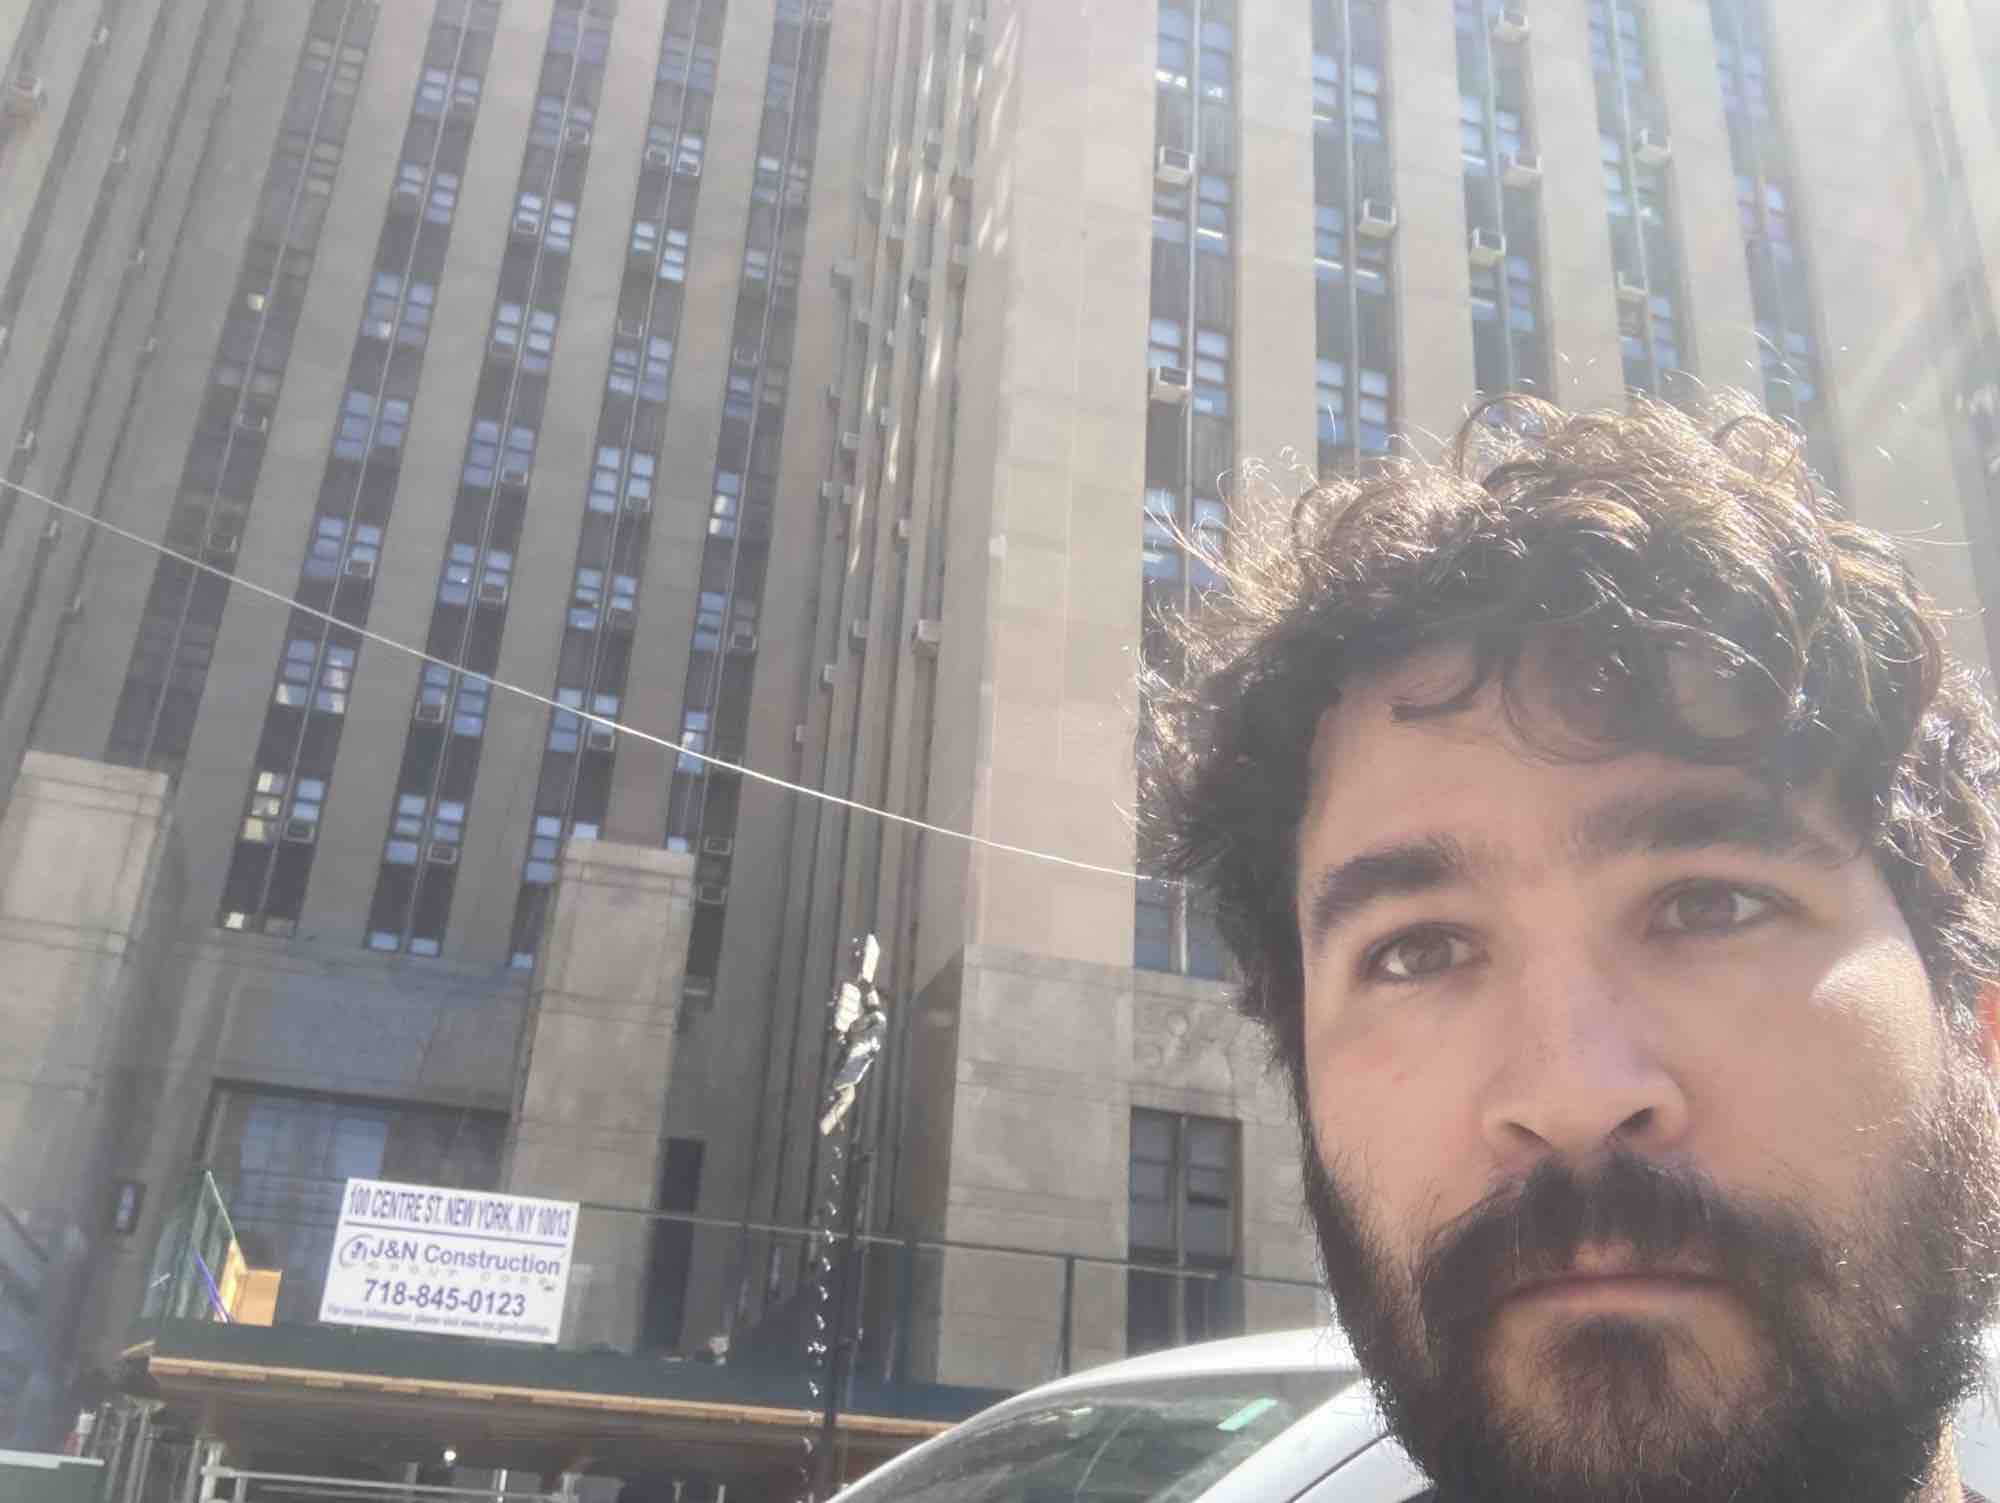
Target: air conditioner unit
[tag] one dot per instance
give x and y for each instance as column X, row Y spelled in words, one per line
column 103, row 37
column 698, row 991
column 1169, row 384
column 902, row 529
column 658, row 156
column 599, row 737
column 631, row 328
column 514, row 476
column 920, row 287
column 120, row 154
column 138, row 260
column 688, row 167
column 850, row 443
column 464, row 104
column 1630, row 288
column 1377, row 219
column 842, row 272
column 829, row 675
column 1173, row 167
column 442, row 853
column 429, row 712
column 492, row 592
column 222, row 542
column 927, row 635
column 975, row 35
column 377, row 328
column 638, row 506
column 148, row 347
column 25, row 445
column 799, row 734
column 620, row 618
column 27, row 97
column 717, row 845
column 253, row 423
column 1652, row 146
column 360, row 568
column 850, row 497
column 829, row 491
column 1521, row 169
column 744, row 355
column 857, row 633
column 255, row 301
column 1511, row 25
column 882, row 419
column 407, row 192
column 742, row 640
column 1489, row 247
column 933, row 147
column 871, row 202
column 301, row 831
column 833, row 395
column 527, row 226
column 896, row 232
column 958, row 261
column 711, row 894
column 577, row 136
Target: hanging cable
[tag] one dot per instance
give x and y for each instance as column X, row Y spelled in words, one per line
column 769, row 779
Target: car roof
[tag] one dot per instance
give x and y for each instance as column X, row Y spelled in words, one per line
column 1306, row 1350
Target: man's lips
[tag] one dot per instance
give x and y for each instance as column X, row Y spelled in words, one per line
column 1616, row 1285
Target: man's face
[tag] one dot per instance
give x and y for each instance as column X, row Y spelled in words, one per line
column 1641, row 1155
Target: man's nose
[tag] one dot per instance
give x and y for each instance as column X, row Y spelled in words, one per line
column 1576, row 1069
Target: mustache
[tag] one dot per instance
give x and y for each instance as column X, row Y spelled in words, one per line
column 1666, row 1216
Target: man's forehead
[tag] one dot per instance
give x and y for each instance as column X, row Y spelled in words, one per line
column 1378, row 774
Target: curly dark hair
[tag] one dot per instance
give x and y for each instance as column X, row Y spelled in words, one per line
column 1632, row 547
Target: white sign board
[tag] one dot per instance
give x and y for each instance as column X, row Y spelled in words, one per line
column 451, row 1262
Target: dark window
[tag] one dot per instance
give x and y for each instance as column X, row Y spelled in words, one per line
column 673, row 1246
column 1183, row 1202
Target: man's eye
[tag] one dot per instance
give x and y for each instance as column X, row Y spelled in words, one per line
column 1420, row 953
column 1712, row 908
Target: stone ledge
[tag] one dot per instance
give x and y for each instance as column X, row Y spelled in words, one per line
column 51, row 770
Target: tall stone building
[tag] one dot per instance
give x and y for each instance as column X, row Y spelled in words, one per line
column 819, row 387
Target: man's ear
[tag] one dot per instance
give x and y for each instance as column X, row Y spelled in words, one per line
column 1986, row 1010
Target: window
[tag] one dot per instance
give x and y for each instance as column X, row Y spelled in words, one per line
column 1182, row 1212
column 281, row 1160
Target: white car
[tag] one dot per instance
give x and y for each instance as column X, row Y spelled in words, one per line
column 1280, row 1418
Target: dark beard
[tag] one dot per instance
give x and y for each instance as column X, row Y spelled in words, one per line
column 1864, row 1338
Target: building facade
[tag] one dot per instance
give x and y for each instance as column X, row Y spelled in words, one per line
column 821, row 388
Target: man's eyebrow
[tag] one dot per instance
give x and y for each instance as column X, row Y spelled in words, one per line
column 1421, row 865
column 1696, row 819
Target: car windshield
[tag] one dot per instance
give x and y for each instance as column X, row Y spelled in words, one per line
column 1158, row 1442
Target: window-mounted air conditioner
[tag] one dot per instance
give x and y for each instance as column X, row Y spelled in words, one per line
column 1169, row 384
column 1173, row 167
column 1488, row 246
column 1521, row 169
column 1377, row 219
